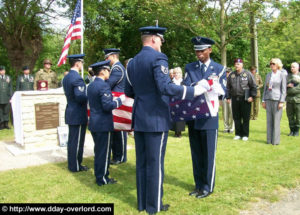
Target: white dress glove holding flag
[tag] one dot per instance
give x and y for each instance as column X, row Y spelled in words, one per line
column 122, row 97
column 204, row 83
column 198, row 90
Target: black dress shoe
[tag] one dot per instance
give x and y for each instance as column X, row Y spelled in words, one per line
column 112, row 181
column 165, row 207
column 115, row 162
column 291, row 133
column 83, row 168
column 194, row 192
column 202, row 194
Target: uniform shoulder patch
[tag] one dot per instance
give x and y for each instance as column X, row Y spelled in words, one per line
column 164, row 69
column 232, row 75
column 244, row 75
column 106, row 94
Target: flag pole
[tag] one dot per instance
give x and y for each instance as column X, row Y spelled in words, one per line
column 81, row 48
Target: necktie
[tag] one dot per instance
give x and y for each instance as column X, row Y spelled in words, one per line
column 202, row 69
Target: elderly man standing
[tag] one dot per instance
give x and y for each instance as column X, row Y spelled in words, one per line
column 148, row 82
column 203, row 133
column 242, row 90
column 293, row 99
column 46, row 74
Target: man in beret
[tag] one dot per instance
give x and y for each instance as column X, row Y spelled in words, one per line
column 203, row 133
column 116, row 82
column 25, row 81
column 76, row 113
column 101, row 119
column 149, row 83
column 46, row 74
column 5, row 95
column 242, row 90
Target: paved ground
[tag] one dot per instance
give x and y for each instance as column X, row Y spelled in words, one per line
column 288, row 205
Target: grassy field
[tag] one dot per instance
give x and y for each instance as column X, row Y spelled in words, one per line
column 245, row 172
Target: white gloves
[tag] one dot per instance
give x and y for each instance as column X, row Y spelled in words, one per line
column 204, row 83
column 122, row 97
column 198, row 90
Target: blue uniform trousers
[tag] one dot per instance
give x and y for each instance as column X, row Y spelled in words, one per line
column 75, row 146
column 102, row 156
column 203, row 145
column 150, row 153
column 119, row 146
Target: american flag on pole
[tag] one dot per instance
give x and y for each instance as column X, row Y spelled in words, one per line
column 122, row 116
column 74, row 33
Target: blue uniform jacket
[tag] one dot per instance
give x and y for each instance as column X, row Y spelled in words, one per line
column 193, row 75
column 101, row 105
column 75, row 91
column 148, row 82
column 117, row 78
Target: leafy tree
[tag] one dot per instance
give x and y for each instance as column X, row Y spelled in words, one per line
column 21, row 27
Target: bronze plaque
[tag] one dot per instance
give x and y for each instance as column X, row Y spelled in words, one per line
column 46, row 116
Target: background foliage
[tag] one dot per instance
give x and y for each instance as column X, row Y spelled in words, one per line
column 116, row 23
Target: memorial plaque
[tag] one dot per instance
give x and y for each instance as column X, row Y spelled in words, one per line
column 46, row 116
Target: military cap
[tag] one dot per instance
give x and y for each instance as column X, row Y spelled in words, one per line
column 2, row 68
column 111, row 51
column 76, row 57
column 238, row 60
column 153, row 30
column 100, row 65
column 47, row 61
column 201, row 43
column 25, row 68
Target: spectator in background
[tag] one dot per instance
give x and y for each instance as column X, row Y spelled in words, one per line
column 273, row 99
column 5, row 95
column 227, row 111
column 46, row 74
column 178, row 127
column 293, row 99
column 241, row 88
column 25, row 82
column 171, row 74
column 256, row 102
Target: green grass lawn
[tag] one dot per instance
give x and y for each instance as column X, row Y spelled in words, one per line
column 245, row 172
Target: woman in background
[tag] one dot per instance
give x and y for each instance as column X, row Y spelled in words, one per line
column 273, row 99
column 178, row 127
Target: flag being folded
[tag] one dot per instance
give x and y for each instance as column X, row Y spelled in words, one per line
column 122, row 116
column 203, row 106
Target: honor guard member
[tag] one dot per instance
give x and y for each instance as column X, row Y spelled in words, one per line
column 101, row 120
column 241, row 87
column 148, row 82
column 46, row 74
column 76, row 112
column 5, row 95
column 25, row 82
column 203, row 133
column 116, row 82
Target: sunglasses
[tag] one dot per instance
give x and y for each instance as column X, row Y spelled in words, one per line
column 272, row 64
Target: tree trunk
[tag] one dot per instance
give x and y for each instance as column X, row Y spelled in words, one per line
column 223, row 34
column 253, row 32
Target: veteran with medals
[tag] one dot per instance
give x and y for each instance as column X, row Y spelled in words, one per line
column 25, row 82
column 241, row 90
column 76, row 113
